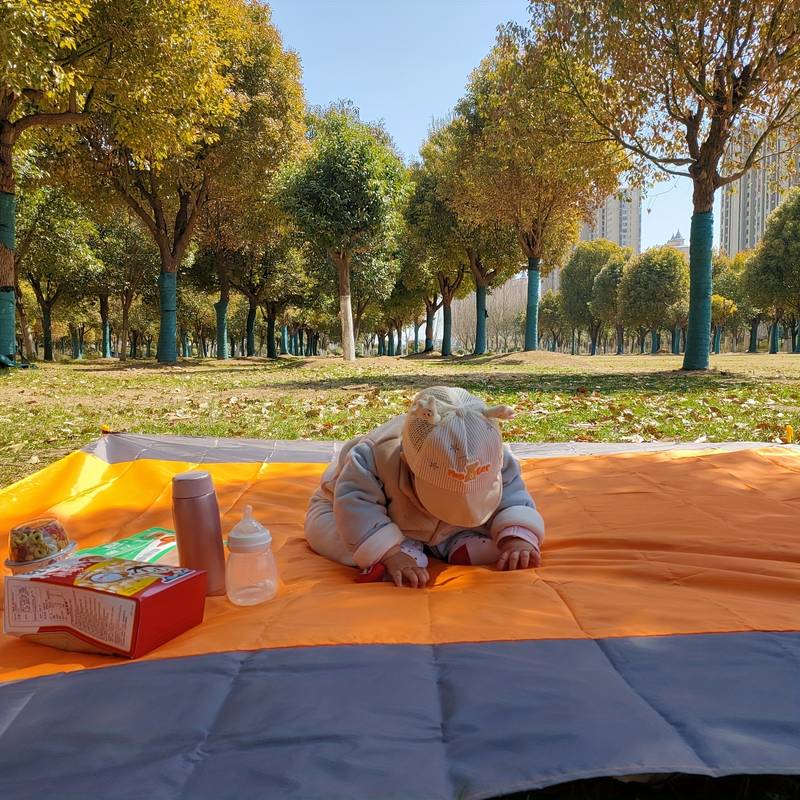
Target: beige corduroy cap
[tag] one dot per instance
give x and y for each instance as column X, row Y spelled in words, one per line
column 453, row 447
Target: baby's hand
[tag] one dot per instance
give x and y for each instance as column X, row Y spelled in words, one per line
column 402, row 567
column 517, row 554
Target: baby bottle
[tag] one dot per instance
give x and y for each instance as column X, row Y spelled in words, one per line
column 251, row 573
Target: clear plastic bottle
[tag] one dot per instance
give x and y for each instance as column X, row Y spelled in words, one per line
column 251, row 575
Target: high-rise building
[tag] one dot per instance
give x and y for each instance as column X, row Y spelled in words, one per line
column 619, row 220
column 748, row 202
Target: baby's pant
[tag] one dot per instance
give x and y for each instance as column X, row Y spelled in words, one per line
column 464, row 547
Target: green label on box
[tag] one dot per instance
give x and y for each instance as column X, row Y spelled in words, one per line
column 150, row 545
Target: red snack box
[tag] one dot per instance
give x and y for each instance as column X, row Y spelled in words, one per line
column 97, row 604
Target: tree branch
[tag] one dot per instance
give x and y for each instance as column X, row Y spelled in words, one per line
column 49, row 118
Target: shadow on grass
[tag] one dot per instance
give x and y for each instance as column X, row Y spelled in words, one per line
column 567, row 383
column 231, row 365
column 679, row 787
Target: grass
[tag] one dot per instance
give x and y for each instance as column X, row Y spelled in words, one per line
column 47, row 412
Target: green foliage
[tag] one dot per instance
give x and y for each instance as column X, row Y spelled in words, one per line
column 54, row 254
column 552, row 317
column 604, row 303
column 652, row 284
column 343, row 193
column 772, row 275
column 578, row 279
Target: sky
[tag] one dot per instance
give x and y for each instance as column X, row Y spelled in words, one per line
column 406, row 62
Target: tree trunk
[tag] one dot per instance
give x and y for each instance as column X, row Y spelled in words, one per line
column 221, row 310
column 75, row 342
column 390, row 334
column 773, row 338
column 167, row 349
column 8, row 336
column 47, row 331
column 532, row 308
column 752, row 346
column 123, row 337
column 417, row 324
column 251, row 326
column 676, row 340
column 480, row 320
column 717, row 338
column 594, row 332
column 654, row 343
column 284, row 340
column 346, row 308
column 642, row 336
column 620, row 340
column 447, row 330
column 700, row 242
column 573, row 350
column 106, row 326
column 430, row 317
column 271, row 349
column 300, row 350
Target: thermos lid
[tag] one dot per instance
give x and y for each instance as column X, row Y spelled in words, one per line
column 195, row 483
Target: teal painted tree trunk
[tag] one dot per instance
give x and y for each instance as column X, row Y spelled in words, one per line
column 676, row 340
column 480, row 320
column 717, row 339
column 773, row 338
column 430, row 316
column 284, row 340
column 221, row 310
column 532, row 307
column 447, row 329
column 620, row 340
column 391, row 343
column 251, row 329
column 271, row 348
column 300, row 342
column 167, row 330
column 654, row 343
column 186, row 347
column 106, row 326
column 8, row 303
column 753, row 344
column 75, row 342
column 699, row 331
column 416, row 337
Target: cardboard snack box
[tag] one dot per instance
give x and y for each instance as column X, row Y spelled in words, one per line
column 97, row 604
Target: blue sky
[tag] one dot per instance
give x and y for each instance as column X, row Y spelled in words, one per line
column 406, row 62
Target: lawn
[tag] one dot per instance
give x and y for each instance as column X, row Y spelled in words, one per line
column 59, row 407
column 52, row 410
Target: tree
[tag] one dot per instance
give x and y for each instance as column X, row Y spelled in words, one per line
column 431, row 227
column 487, row 245
column 652, row 283
column 129, row 265
column 577, row 283
column 528, row 161
column 553, row 318
column 65, row 61
column 604, row 304
column 343, row 195
column 55, row 256
column 722, row 310
column 234, row 145
column 772, row 276
column 694, row 89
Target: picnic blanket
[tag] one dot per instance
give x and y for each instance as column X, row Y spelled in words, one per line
column 661, row 634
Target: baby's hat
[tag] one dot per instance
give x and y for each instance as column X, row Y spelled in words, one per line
column 452, row 444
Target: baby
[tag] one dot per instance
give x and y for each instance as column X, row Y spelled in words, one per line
column 435, row 479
